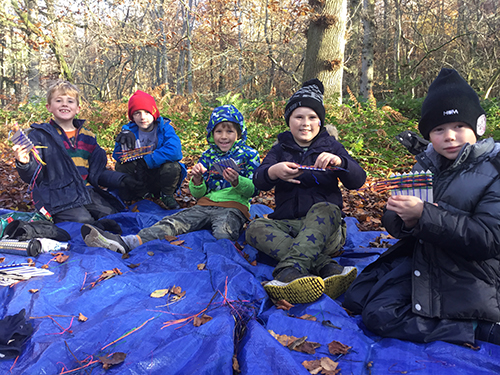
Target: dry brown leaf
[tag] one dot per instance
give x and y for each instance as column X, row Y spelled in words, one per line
column 171, row 238
column 308, row 317
column 236, row 365
column 336, row 348
column 254, row 263
column 283, row 305
column 61, row 258
column 198, row 321
column 176, row 290
column 126, row 256
column 45, row 266
column 82, row 318
column 31, row 262
column 308, row 347
column 132, row 265
column 201, row 266
column 150, row 253
column 33, row 290
column 114, row 359
column 177, row 243
column 2, row 259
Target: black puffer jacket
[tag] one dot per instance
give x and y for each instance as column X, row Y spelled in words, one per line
column 294, row 200
column 456, row 244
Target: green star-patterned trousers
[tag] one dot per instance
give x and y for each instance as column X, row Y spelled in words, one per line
column 307, row 243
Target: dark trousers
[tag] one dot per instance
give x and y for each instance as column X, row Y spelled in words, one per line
column 164, row 179
column 89, row 213
column 383, row 298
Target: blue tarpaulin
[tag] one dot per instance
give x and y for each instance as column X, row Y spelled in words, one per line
column 158, row 335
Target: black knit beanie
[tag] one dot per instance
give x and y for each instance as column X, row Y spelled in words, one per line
column 451, row 99
column 310, row 95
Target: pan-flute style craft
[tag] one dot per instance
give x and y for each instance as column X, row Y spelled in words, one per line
column 134, row 154
column 225, row 163
column 417, row 184
column 21, row 139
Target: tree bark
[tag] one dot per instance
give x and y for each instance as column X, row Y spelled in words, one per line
column 326, row 44
column 367, row 60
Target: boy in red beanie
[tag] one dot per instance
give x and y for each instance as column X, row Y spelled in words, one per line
column 159, row 169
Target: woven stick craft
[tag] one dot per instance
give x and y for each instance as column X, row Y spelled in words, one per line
column 311, row 168
column 134, row 154
column 21, row 139
column 225, row 163
column 417, row 184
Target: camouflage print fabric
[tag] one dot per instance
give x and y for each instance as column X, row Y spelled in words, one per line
column 307, row 243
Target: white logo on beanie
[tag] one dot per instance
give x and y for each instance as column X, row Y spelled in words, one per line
column 450, row 112
column 481, row 125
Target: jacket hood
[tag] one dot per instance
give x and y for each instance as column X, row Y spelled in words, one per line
column 229, row 113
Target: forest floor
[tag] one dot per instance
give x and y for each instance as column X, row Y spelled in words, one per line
column 364, row 204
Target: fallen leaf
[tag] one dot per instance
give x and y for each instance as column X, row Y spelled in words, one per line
column 82, row 318
column 308, row 317
column 238, row 246
column 328, row 364
column 132, row 265
column 33, row 290
column 308, row 347
column 61, row 258
column 114, row 359
column 283, row 305
column 254, row 263
column 201, row 266
column 2, row 259
column 160, row 293
column 176, row 290
column 177, row 243
column 236, row 365
column 126, row 256
column 198, row 321
column 45, row 266
column 171, row 238
column 336, row 348
column 150, row 253
column 31, row 262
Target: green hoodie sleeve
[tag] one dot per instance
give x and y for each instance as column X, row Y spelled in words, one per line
column 197, row 191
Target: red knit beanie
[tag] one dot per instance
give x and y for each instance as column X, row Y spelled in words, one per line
column 141, row 100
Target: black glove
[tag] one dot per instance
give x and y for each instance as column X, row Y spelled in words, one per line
column 413, row 142
column 126, row 138
column 131, row 183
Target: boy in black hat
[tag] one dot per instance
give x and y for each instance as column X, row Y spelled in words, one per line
column 441, row 280
column 306, row 228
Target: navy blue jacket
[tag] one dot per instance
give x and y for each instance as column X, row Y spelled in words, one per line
column 58, row 186
column 293, row 201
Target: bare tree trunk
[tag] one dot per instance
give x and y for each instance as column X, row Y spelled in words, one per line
column 326, row 44
column 367, row 61
column 272, row 69
column 34, row 54
column 353, row 47
column 397, row 42
column 189, row 51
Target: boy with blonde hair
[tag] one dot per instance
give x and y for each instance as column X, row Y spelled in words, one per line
column 67, row 183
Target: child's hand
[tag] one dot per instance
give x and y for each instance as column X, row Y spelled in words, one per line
column 408, row 208
column 325, row 159
column 197, row 173
column 231, row 176
column 286, row 171
column 21, row 154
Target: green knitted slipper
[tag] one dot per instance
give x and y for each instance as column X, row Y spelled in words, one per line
column 337, row 284
column 302, row 290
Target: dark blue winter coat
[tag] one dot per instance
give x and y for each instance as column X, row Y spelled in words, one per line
column 59, row 186
column 293, row 201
